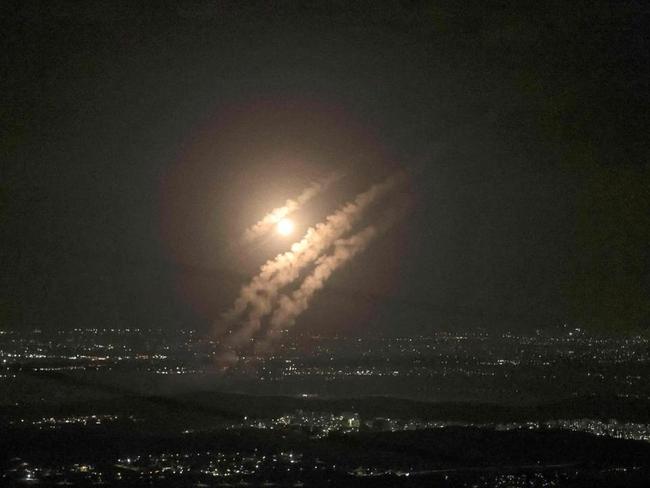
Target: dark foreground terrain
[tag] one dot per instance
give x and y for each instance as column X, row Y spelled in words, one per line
column 214, row 439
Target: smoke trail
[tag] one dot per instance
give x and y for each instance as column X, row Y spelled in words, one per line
column 291, row 205
column 290, row 307
column 259, row 296
column 344, row 249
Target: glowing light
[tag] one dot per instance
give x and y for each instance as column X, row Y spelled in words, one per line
column 285, row 227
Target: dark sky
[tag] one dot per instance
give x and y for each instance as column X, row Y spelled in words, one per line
column 140, row 140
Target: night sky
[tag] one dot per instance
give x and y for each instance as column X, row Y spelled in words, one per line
column 139, row 143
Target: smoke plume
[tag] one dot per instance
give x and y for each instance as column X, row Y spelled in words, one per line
column 289, row 307
column 258, row 298
column 262, row 227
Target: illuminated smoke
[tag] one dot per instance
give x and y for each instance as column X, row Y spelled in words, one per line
column 262, row 227
column 258, row 298
column 289, row 307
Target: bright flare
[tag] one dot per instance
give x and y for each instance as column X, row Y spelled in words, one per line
column 285, row 227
